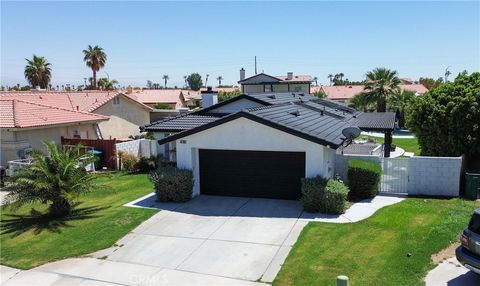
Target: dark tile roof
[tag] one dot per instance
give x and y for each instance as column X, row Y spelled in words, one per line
column 179, row 123
column 302, row 115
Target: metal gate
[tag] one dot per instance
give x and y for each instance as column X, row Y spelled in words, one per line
column 394, row 177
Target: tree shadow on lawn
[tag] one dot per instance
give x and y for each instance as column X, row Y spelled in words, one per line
column 38, row 222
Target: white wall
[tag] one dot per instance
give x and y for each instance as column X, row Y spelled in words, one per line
column 138, row 148
column 245, row 134
column 236, row 106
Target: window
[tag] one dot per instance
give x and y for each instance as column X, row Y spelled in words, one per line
column 116, row 100
column 474, row 224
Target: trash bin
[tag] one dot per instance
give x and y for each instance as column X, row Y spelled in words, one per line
column 99, row 155
column 472, row 184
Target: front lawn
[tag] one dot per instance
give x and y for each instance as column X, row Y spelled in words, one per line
column 407, row 144
column 28, row 240
column 375, row 251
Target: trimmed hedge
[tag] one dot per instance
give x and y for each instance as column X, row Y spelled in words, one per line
column 325, row 196
column 363, row 179
column 172, row 184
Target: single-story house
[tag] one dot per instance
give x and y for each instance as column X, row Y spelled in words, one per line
column 343, row 93
column 25, row 125
column 260, row 145
column 263, row 82
column 173, row 98
column 125, row 113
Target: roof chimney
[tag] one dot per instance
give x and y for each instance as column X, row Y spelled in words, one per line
column 242, row 74
column 209, row 97
column 289, row 75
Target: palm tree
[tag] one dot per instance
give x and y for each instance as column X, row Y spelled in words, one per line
column 38, row 72
column 165, row 78
column 330, row 77
column 206, row 79
column 315, row 79
column 341, row 75
column 106, row 84
column 399, row 102
column 361, row 102
column 219, row 78
column 380, row 84
column 56, row 179
column 95, row 58
column 185, row 79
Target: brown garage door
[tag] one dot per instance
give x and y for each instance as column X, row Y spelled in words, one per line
column 251, row 173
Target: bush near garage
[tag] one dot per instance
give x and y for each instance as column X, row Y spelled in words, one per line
column 325, row 196
column 129, row 162
column 172, row 184
column 363, row 179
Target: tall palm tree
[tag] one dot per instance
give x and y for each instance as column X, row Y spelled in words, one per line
column 165, row 78
column 219, row 78
column 380, row 84
column 56, row 179
column 185, row 79
column 315, row 79
column 361, row 102
column 38, row 72
column 206, row 79
column 330, row 77
column 341, row 75
column 95, row 58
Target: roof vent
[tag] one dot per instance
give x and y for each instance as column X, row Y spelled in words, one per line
column 293, row 94
column 321, row 112
column 295, row 113
column 272, row 96
column 302, row 94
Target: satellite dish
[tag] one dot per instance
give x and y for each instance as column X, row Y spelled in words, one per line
column 351, row 132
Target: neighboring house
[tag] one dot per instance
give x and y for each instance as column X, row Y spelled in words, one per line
column 25, row 125
column 173, row 98
column 260, row 145
column 266, row 83
column 125, row 113
column 343, row 93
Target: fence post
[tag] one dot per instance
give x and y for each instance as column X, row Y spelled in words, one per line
column 342, row 280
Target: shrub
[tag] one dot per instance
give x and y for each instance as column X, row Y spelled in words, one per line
column 172, row 184
column 147, row 164
column 129, row 162
column 322, row 195
column 363, row 179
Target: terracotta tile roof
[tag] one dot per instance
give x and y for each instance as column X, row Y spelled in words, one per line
column 417, row 88
column 346, row 92
column 342, row 92
column 149, row 96
column 87, row 101
column 16, row 113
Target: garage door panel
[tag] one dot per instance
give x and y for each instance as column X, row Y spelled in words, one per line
column 251, row 173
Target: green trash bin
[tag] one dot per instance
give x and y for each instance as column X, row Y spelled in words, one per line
column 472, row 185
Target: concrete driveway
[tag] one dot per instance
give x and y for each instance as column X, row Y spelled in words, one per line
column 451, row 273
column 207, row 241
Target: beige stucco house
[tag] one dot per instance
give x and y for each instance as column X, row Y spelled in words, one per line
column 26, row 125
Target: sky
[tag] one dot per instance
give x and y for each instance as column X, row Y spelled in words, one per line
column 146, row 40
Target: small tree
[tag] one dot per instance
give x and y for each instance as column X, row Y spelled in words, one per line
column 56, row 179
column 446, row 119
column 195, row 81
column 400, row 101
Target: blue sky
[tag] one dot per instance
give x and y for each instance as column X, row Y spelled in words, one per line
column 144, row 40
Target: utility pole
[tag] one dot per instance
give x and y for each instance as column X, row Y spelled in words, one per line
column 255, row 64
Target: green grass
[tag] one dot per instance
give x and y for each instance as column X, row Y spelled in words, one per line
column 407, row 144
column 374, row 251
column 28, row 240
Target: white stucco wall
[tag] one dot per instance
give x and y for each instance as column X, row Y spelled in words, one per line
column 13, row 140
column 245, row 134
column 125, row 118
column 236, row 106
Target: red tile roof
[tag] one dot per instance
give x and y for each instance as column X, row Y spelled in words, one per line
column 345, row 92
column 87, row 101
column 17, row 113
column 150, row 96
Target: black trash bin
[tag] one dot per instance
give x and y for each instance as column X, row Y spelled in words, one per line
column 472, row 184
